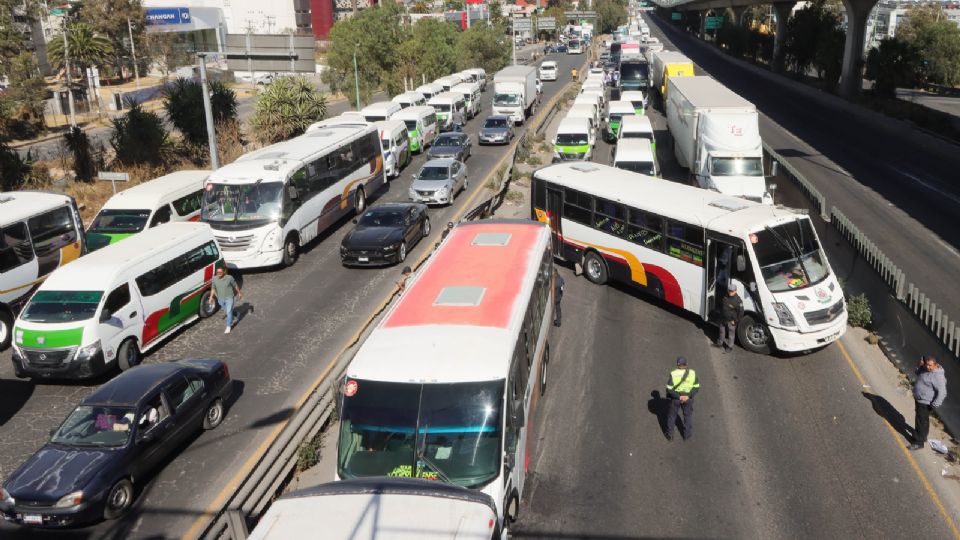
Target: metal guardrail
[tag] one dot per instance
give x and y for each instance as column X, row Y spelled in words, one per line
column 805, row 185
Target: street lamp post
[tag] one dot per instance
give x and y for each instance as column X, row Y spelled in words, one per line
column 208, row 112
column 133, row 52
column 66, row 64
column 356, row 75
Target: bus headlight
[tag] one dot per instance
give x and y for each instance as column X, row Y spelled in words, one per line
column 272, row 241
column 783, row 313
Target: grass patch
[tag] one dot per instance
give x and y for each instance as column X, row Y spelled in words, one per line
column 514, row 196
column 308, row 455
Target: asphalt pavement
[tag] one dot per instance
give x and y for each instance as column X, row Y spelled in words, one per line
column 292, row 325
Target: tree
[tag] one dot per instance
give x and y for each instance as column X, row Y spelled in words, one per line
column 87, row 48
column 183, row 101
column 891, row 65
column 84, row 165
column 139, row 137
column 24, row 97
column 812, row 35
column 374, row 35
column 936, row 41
column 109, row 18
column 482, row 46
column 495, row 8
column 168, row 51
column 419, row 7
column 610, row 15
column 429, row 51
column 286, row 108
column 558, row 13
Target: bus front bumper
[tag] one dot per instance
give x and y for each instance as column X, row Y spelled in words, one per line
column 254, row 259
column 793, row 341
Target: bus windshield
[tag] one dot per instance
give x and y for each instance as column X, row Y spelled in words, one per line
column 120, row 221
column 790, row 256
column 61, row 306
column 259, row 201
column 736, row 166
column 634, row 71
column 572, row 139
column 434, row 431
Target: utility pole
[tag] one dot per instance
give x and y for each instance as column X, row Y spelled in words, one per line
column 356, row 75
column 133, row 52
column 66, row 63
column 513, row 41
column 208, row 112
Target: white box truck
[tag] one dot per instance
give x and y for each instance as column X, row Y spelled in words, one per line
column 716, row 136
column 515, row 92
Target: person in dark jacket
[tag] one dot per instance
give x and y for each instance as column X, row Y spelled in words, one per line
column 731, row 311
column 928, row 393
column 557, row 296
column 682, row 386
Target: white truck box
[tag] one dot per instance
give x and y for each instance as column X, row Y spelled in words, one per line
column 515, row 92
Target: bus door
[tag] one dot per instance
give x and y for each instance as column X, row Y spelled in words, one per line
column 554, row 213
column 721, row 266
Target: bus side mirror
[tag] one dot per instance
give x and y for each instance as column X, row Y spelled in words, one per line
column 292, row 193
column 741, row 263
column 518, row 420
column 774, row 168
column 509, row 461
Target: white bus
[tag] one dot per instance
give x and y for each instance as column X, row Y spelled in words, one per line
column 685, row 245
column 269, row 203
column 39, row 232
column 446, row 387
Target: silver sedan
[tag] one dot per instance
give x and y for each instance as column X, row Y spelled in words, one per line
column 439, row 181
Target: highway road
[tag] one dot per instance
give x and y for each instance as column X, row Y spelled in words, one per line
column 294, row 321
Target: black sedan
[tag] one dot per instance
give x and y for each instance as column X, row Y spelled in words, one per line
column 113, row 440
column 384, row 234
column 454, row 145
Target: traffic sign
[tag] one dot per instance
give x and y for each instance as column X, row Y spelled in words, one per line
column 113, row 178
column 676, row 16
column 520, row 24
column 546, row 23
column 580, row 14
column 712, row 23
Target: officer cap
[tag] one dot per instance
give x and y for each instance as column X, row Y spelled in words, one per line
column 681, row 361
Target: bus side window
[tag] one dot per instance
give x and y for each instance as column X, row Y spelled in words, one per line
column 184, row 206
column 15, row 247
column 52, row 230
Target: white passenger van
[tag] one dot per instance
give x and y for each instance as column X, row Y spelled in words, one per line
column 596, row 94
column 422, row 126
column 478, row 75
column 636, row 155
column 548, row 71
column 637, row 98
column 636, row 127
column 269, row 203
column 616, row 110
column 395, row 144
column 448, row 82
column 585, row 111
column 446, row 104
column 39, row 232
column 429, row 90
column 574, row 140
column 114, row 304
column 173, row 197
column 410, row 99
column 471, row 95
column 381, row 110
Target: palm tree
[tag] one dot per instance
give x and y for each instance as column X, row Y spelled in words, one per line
column 87, row 47
column 286, row 108
column 183, row 101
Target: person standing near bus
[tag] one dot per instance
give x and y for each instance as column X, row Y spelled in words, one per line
column 928, row 393
column 731, row 311
column 226, row 292
column 557, row 296
column 682, row 386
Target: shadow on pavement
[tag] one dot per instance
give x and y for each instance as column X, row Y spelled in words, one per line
column 659, row 407
column 888, row 412
column 14, row 394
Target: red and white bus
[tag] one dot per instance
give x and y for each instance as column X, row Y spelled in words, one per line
column 447, row 385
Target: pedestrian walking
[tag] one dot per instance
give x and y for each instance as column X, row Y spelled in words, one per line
column 731, row 311
column 456, row 119
column 226, row 292
column 682, row 386
column 446, row 231
column 406, row 276
column 928, row 393
column 557, row 296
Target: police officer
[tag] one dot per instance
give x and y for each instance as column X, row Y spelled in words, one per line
column 682, row 386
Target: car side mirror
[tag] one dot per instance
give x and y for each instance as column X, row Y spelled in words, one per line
column 741, row 263
column 105, row 315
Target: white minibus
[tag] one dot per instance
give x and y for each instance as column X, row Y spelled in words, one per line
column 637, row 98
column 395, row 144
column 269, row 203
column 446, row 103
column 422, row 126
column 447, row 82
column 429, row 90
column 585, row 111
column 173, row 197
column 471, row 95
column 381, row 110
column 478, row 75
column 616, row 110
column 410, row 99
column 574, row 140
column 636, row 155
column 112, row 305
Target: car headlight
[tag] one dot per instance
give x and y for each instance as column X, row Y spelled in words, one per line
column 442, row 191
column 783, row 313
column 392, row 247
column 70, row 500
column 343, row 249
column 5, row 498
column 88, row 352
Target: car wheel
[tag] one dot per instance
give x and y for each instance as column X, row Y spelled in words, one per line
column 754, row 335
column 291, row 251
column 119, row 499
column 207, row 308
column 128, row 355
column 6, row 329
column 595, row 268
column 425, row 228
column 402, row 253
column 214, row 415
column 360, row 202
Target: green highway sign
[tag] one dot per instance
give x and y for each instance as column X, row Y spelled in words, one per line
column 712, row 23
column 676, row 16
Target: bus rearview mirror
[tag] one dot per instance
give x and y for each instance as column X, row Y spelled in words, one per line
column 741, row 263
column 774, row 168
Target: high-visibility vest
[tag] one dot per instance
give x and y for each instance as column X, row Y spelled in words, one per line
column 685, row 387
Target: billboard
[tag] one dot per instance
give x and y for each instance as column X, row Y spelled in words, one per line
column 158, row 16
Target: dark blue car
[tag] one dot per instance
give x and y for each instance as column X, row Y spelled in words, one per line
column 113, row 440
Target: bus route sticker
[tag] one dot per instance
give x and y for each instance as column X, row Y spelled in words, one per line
column 350, row 388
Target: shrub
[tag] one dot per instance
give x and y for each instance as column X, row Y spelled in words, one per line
column 858, row 311
column 84, row 165
column 139, row 137
column 534, row 160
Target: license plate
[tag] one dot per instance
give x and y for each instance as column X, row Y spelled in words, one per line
column 832, row 336
column 363, row 259
column 33, row 519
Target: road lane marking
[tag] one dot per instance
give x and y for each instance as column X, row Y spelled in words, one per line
column 928, row 185
column 897, row 439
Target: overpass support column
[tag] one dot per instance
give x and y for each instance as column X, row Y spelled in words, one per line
column 783, row 11
column 738, row 12
column 851, row 78
column 703, row 24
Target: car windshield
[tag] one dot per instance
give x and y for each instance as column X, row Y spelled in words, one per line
column 242, row 202
column 441, row 107
column 432, row 431
column 736, row 166
column 790, row 256
column 448, row 140
column 642, row 167
column 572, row 139
column 495, row 123
column 411, row 125
column 434, row 173
column 377, row 217
column 120, row 221
column 95, row 426
column 61, row 306
column 506, row 99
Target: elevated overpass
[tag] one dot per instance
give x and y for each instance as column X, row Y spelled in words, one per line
column 851, row 78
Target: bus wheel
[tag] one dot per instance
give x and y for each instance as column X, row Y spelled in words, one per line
column 594, row 268
column 6, row 329
column 128, row 355
column 291, row 250
column 512, row 509
column 753, row 335
column 543, row 369
column 360, row 202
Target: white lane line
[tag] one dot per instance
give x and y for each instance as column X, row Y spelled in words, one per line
column 929, row 186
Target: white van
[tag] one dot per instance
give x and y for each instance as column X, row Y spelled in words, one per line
column 636, row 155
column 448, row 82
column 574, row 140
column 115, row 304
column 429, row 90
column 636, row 127
column 471, row 95
column 410, row 99
column 585, row 111
column 174, row 197
column 446, row 103
column 381, row 110
column 616, row 110
column 591, row 102
column 479, row 75
column 597, row 95
column 548, row 71
column 395, row 144
column 422, row 126
column 636, row 97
